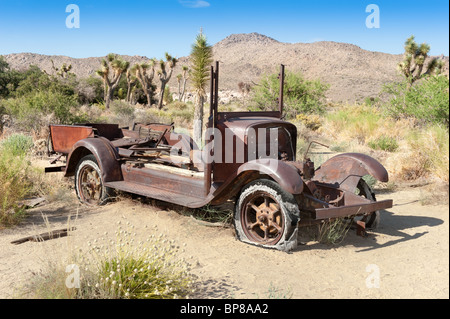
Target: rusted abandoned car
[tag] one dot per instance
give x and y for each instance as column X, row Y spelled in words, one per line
column 249, row 157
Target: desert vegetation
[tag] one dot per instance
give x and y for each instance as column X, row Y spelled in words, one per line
column 124, row 268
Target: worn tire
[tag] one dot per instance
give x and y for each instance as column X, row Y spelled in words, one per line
column 373, row 220
column 267, row 216
column 86, row 165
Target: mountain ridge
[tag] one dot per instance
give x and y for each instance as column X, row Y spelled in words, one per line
column 352, row 72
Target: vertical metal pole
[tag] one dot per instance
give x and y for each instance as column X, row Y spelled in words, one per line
column 281, row 98
column 216, row 93
column 211, row 96
column 211, row 125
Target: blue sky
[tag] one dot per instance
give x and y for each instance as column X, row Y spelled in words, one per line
column 152, row 27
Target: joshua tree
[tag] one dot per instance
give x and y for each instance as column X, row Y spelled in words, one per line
column 182, row 79
column 185, row 73
column 112, row 69
column 201, row 59
column 179, row 80
column 412, row 66
column 244, row 89
column 145, row 73
column 165, row 76
column 63, row 72
column 131, row 82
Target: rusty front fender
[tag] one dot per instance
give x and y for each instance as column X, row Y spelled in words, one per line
column 284, row 174
column 346, row 170
column 106, row 155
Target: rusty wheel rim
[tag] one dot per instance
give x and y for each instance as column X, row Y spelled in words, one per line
column 262, row 219
column 90, row 185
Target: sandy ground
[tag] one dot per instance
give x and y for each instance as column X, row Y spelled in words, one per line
column 406, row 257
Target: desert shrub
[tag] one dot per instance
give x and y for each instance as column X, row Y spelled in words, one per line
column 384, row 143
column 300, row 95
column 30, row 111
column 417, row 151
column 311, row 121
column 9, row 79
column 123, row 268
column 17, row 144
column 14, row 181
column 123, row 111
column 39, row 97
column 180, row 113
column 358, row 122
column 429, row 148
column 372, row 101
column 36, row 80
column 177, row 105
column 426, row 101
column 90, row 90
column 333, row 231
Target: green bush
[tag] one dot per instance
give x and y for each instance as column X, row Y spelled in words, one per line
column 426, row 101
column 9, row 79
column 300, row 95
column 14, row 182
column 17, row 144
column 123, row 111
column 384, row 143
column 29, row 110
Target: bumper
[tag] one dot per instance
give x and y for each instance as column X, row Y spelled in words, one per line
column 352, row 210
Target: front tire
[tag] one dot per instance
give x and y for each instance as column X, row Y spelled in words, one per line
column 371, row 219
column 89, row 184
column 266, row 215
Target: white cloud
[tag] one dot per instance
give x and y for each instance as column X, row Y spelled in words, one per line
column 194, row 3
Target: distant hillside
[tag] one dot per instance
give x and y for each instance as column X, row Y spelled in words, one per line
column 352, row 72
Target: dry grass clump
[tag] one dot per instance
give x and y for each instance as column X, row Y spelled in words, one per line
column 179, row 113
column 14, row 181
column 333, row 231
column 423, row 153
column 408, row 151
column 121, row 268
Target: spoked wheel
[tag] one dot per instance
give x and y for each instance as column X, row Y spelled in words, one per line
column 371, row 219
column 88, row 182
column 262, row 219
column 266, row 215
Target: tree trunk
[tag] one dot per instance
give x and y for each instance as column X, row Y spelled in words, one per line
column 149, row 98
column 179, row 91
column 161, row 96
column 128, row 99
column 198, row 120
column 183, row 92
column 108, row 97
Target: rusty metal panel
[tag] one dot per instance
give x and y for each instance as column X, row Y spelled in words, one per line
column 345, row 170
column 108, row 131
column 63, row 137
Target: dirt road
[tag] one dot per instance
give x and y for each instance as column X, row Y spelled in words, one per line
column 407, row 257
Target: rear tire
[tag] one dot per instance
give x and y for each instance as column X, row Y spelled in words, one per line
column 266, row 215
column 89, row 184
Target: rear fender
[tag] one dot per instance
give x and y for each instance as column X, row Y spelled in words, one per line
column 106, row 155
column 346, row 170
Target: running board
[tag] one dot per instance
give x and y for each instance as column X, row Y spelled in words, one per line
column 160, row 194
